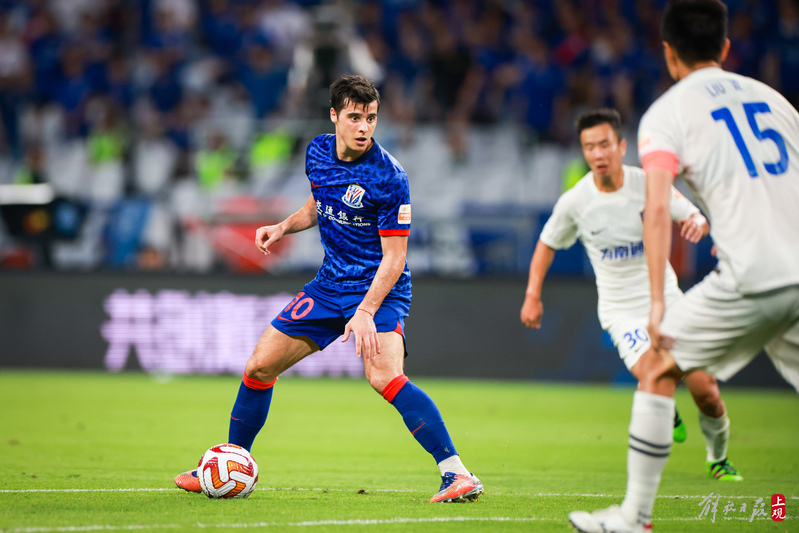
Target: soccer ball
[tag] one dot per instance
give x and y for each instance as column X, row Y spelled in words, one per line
column 227, row 471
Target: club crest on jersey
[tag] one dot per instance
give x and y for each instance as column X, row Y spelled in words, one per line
column 354, row 196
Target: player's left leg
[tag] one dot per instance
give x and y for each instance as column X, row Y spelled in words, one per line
column 714, row 423
column 421, row 417
column 630, row 357
column 649, row 447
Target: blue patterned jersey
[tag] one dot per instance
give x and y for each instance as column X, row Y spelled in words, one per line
column 357, row 202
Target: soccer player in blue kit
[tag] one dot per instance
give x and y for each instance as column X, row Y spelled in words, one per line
column 360, row 200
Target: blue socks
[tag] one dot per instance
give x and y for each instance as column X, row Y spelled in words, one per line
column 421, row 416
column 249, row 412
column 419, row 412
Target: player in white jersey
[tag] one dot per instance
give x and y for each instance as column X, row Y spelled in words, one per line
column 736, row 143
column 603, row 210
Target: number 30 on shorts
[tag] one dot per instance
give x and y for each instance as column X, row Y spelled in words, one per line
column 299, row 306
column 634, row 337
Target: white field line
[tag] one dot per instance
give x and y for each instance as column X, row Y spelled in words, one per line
column 353, row 522
column 300, row 489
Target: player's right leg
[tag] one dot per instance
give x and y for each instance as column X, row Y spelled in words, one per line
column 275, row 353
column 311, row 321
column 630, row 337
column 649, row 448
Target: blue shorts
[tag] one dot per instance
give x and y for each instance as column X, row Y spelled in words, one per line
column 321, row 314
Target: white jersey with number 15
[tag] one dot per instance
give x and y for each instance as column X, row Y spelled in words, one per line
column 736, row 142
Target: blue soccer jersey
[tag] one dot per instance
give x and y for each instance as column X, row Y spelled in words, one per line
column 357, row 202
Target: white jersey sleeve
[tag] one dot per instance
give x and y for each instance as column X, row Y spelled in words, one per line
column 561, row 229
column 735, row 141
column 680, row 206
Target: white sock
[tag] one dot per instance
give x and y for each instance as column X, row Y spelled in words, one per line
column 453, row 464
column 717, row 435
column 651, row 427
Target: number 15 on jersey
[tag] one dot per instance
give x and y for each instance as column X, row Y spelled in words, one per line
column 752, row 109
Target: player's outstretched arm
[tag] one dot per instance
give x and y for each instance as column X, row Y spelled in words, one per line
column 362, row 323
column 657, row 243
column 533, row 308
column 693, row 228
column 303, row 219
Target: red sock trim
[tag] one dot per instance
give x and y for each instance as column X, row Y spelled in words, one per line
column 254, row 384
column 394, row 387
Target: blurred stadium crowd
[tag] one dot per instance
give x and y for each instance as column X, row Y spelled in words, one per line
column 167, row 130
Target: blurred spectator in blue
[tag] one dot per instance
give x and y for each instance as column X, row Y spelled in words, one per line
column 45, row 44
column 490, row 41
column 221, row 27
column 264, row 79
column 166, row 90
column 73, row 90
column 171, row 36
column 455, row 85
column 406, row 84
column 14, row 82
column 539, row 86
column 784, row 51
column 745, row 50
column 119, row 83
column 95, row 38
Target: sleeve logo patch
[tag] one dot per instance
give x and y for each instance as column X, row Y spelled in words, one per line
column 404, row 216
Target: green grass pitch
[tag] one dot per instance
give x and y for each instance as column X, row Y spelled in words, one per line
column 97, row 451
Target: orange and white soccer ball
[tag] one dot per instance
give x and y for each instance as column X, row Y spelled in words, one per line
column 227, row 471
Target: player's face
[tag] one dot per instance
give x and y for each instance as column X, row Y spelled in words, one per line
column 602, row 150
column 355, row 124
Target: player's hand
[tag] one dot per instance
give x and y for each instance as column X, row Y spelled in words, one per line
column 532, row 311
column 362, row 325
column 659, row 340
column 265, row 236
column 693, row 228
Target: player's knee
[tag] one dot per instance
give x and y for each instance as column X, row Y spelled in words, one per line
column 260, row 372
column 656, row 374
column 708, row 400
column 379, row 382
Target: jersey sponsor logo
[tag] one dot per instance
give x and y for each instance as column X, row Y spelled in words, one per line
column 354, row 196
column 404, row 216
column 624, row 252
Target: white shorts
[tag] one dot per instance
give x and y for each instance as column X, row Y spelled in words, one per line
column 719, row 330
column 630, row 337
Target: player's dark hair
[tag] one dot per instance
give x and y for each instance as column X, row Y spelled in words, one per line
column 353, row 89
column 600, row 116
column 695, row 29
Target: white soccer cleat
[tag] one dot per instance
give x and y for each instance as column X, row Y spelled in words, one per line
column 609, row 520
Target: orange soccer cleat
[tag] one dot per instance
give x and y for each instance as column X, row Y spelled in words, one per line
column 457, row 488
column 188, row 481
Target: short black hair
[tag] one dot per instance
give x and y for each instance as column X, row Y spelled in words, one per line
column 600, row 116
column 353, row 89
column 695, row 29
